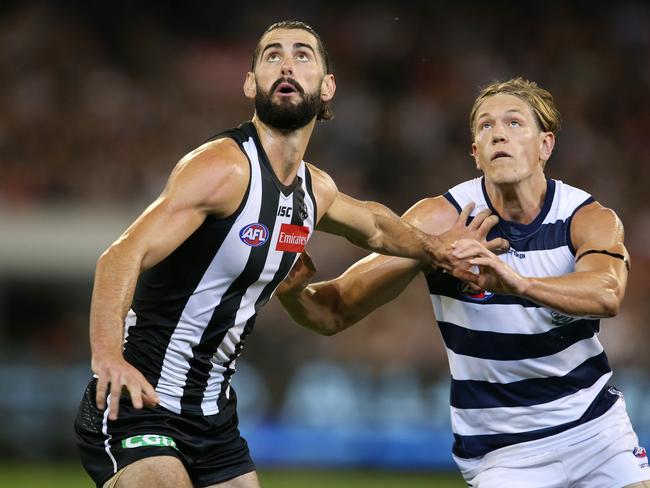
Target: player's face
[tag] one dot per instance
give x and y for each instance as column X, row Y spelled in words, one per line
column 289, row 83
column 509, row 146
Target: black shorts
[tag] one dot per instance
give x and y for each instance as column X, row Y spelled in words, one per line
column 210, row 447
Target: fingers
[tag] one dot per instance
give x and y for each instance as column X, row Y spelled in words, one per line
column 467, row 275
column 100, row 394
column 308, row 262
column 486, row 225
column 135, row 392
column 482, row 262
column 468, row 248
column 116, row 390
column 464, row 215
column 498, row 245
column 149, row 395
column 480, row 218
column 150, row 401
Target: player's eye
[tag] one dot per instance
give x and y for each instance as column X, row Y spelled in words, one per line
column 515, row 123
column 302, row 56
column 273, row 57
column 486, row 125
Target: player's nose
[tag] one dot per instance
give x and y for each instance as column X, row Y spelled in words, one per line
column 498, row 134
column 287, row 67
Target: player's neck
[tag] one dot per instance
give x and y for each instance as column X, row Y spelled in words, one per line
column 518, row 202
column 285, row 150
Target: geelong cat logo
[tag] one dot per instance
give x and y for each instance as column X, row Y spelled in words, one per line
column 478, row 296
column 254, row 235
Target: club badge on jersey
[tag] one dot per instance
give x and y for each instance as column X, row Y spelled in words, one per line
column 640, row 453
column 478, row 296
column 254, row 235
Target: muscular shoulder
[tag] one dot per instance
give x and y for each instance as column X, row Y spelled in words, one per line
column 325, row 190
column 214, row 176
column 597, row 225
column 432, row 215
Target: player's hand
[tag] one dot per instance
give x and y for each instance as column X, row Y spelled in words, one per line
column 477, row 229
column 493, row 274
column 299, row 276
column 118, row 373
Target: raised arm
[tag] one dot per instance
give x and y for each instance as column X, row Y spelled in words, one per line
column 596, row 287
column 331, row 306
column 376, row 228
column 212, row 179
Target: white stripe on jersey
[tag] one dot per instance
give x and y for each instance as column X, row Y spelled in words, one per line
column 510, row 420
column 246, row 310
column 496, row 371
column 547, row 262
column 489, row 317
column 207, row 296
column 514, row 318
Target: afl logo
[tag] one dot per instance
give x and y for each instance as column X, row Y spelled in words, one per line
column 477, row 296
column 254, row 235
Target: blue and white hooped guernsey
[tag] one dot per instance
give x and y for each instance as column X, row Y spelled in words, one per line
column 519, row 371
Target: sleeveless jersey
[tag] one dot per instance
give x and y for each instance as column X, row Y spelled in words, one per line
column 192, row 311
column 519, row 371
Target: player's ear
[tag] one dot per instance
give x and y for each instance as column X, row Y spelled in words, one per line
column 250, row 86
column 327, row 88
column 475, row 155
column 546, row 145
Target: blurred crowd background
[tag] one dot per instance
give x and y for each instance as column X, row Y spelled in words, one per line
column 99, row 100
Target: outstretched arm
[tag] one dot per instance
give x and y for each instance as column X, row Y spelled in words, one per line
column 331, row 306
column 596, row 287
column 374, row 227
column 212, row 179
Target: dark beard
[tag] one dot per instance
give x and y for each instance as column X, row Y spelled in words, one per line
column 286, row 116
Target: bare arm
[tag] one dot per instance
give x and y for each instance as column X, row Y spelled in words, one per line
column 376, row 228
column 331, row 306
column 596, row 287
column 211, row 179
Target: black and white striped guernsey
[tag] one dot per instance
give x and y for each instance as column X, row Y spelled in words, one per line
column 191, row 313
column 520, row 371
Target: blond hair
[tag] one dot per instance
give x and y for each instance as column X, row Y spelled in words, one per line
column 539, row 100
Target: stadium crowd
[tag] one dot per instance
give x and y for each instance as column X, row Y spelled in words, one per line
column 98, row 104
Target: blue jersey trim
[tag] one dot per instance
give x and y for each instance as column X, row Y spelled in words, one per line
column 511, row 347
column 514, row 231
column 570, row 219
column 545, row 238
column 453, row 201
column 483, row 394
column 472, row 446
column 441, row 283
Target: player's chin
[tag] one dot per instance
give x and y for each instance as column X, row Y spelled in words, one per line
column 284, row 100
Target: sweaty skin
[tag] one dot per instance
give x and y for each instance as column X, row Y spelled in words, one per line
column 212, row 180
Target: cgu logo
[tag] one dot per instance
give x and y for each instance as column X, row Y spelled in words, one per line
column 148, row 440
column 254, row 235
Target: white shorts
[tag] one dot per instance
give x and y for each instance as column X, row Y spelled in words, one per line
column 601, row 453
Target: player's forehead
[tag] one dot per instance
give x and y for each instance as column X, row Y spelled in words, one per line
column 288, row 38
column 503, row 103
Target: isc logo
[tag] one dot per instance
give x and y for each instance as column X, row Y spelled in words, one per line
column 284, row 211
column 254, row 235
